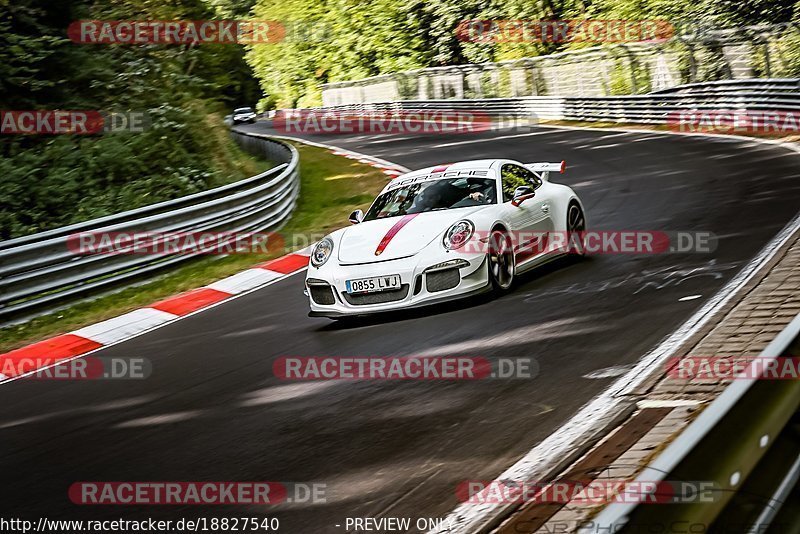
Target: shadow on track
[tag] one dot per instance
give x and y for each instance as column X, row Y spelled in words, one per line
column 347, row 323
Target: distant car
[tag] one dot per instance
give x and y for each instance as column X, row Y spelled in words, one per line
column 244, row 115
column 442, row 233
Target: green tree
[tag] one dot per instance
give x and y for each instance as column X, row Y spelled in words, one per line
column 49, row 181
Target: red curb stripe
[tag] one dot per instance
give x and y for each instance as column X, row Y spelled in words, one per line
column 190, row 301
column 44, row 353
column 287, row 264
column 441, row 168
column 50, row 351
column 393, row 232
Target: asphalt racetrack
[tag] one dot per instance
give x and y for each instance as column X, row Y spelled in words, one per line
column 212, row 409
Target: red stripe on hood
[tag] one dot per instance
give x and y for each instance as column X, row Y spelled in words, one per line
column 393, row 232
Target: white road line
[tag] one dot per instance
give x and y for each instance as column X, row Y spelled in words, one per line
column 470, row 518
column 754, row 141
column 674, row 403
column 457, row 143
column 389, row 140
column 608, row 372
column 337, row 148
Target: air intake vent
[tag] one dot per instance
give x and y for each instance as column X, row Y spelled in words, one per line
column 418, row 284
column 442, row 280
column 322, row 295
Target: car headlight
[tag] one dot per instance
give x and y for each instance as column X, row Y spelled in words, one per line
column 321, row 253
column 457, row 235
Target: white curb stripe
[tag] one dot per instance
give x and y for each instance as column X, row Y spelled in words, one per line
column 124, row 326
column 340, row 151
column 305, row 251
column 244, row 281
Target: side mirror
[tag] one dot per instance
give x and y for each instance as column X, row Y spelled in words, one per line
column 356, row 217
column 521, row 194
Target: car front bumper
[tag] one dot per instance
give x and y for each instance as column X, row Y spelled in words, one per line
column 420, row 285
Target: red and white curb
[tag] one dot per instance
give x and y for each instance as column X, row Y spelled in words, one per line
column 388, row 168
column 49, row 352
column 59, row 349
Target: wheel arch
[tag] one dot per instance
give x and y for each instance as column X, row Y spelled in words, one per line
column 575, row 200
column 499, row 225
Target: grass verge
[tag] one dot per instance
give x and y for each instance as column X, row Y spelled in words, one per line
column 331, row 187
column 231, row 162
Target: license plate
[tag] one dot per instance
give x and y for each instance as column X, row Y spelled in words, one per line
column 371, row 285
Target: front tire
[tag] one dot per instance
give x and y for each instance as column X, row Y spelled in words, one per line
column 502, row 266
column 576, row 230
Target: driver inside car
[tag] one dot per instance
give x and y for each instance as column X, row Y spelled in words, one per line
column 480, row 191
column 432, row 197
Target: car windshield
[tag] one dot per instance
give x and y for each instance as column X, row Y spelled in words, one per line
column 432, row 196
column 243, row 110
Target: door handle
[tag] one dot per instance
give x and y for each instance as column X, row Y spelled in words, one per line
column 545, row 208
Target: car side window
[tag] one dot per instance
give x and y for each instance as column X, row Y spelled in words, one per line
column 514, row 176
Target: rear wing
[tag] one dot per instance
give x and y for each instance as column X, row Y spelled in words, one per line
column 543, row 169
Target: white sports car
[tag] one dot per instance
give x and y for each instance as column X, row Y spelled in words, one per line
column 445, row 232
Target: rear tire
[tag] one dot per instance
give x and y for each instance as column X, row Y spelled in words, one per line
column 502, row 267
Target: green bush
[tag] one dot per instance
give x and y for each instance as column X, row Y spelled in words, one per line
column 51, row 181
column 784, row 55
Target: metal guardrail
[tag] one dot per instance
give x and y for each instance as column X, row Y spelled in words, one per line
column 724, row 445
column 781, row 94
column 39, row 271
